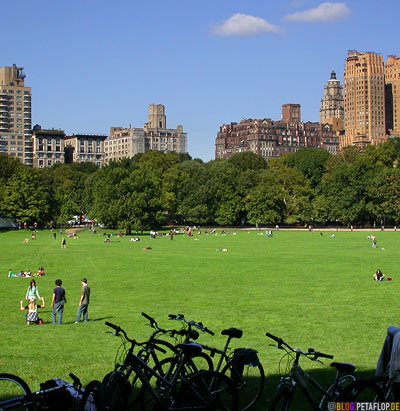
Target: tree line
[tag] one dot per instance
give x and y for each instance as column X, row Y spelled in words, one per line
column 154, row 189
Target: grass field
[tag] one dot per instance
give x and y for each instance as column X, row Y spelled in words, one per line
column 314, row 291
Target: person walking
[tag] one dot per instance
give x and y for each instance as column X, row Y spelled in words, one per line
column 57, row 302
column 83, row 302
column 63, row 243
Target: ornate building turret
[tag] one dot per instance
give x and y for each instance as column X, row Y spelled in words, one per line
column 332, row 104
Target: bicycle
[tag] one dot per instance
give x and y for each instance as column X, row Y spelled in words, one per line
column 243, row 366
column 15, row 394
column 286, row 389
column 203, row 390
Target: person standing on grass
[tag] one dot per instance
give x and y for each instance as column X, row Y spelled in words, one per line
column 63, row 243
column 83, row 302
column 33, row 291
column 57, row 302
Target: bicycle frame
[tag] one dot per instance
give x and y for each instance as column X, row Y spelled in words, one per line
column 298, row 376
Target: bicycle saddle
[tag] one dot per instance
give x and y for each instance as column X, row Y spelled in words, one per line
column 190, row 348
column 343, row 366
column 233, row 333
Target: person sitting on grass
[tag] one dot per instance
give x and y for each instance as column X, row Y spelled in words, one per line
column 379, row 276
column 10, row 273
column 32, row 316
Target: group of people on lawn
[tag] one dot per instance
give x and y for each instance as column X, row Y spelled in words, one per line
column 26, row 274
column 57, row 302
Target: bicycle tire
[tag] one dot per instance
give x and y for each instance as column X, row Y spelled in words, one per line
column 12, row 387
column 282, row 398
column 192, row 365
column 152, row 359
column 249, row 382
column 343, row 382
column 118, row 391
column 363, row 391
column 208, row 389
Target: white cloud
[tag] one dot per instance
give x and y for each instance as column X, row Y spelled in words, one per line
column 244, row 26
column 325, row 13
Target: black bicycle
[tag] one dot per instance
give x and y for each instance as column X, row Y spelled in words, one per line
column 337, row 391
column 15, row 394
column 204, row 390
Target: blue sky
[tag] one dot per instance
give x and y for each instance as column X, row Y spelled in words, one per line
column 96, row 64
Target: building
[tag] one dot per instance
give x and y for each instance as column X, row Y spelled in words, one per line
column 392, row 96
column 48, row 147
column 15, row 114
column 84, row 148
column 54, row 147
column 364, row 100
column 127, row 142
column 271, row 139
column 291, row 113
column 332, row 104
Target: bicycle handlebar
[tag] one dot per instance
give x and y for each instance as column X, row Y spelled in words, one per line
column 310, row 353
column 118, row 330
column 199, row 326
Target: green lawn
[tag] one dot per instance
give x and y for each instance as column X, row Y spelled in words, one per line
column 314, row 291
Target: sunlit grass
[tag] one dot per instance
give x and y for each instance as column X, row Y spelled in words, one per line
column 314, row 291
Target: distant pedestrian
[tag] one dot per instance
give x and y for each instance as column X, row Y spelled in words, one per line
column 57, row 302
column 373, row 242
column 83, row 302
column 63, row 243
column 54, row 236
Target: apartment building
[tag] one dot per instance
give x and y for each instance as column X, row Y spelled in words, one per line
column 15, row 114
column 271, row 139
column 48, row 147
column 392, row 100
column 364, row 100
column 332, row 104
column 127, row 142
column 85, row 148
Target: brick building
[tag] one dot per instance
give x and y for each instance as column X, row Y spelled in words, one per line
column 271, row 139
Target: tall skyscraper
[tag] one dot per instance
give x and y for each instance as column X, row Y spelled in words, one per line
column 364, row 100
column 392, row 80
column 332, row 110
column 15, row 114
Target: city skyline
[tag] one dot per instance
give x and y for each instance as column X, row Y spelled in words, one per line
column 93, row 65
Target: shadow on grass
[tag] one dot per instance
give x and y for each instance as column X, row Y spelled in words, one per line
column 324, row 377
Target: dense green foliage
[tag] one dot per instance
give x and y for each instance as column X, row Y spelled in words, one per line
column 153, row 189
column 312, row 290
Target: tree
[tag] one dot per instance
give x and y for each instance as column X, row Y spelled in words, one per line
column 27, row 197
column 311, row 162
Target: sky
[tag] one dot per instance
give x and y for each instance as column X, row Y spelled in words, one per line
column 96, row 64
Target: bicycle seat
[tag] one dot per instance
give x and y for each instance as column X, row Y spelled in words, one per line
column 343, row 366
column 190, row 348
column 233, row 333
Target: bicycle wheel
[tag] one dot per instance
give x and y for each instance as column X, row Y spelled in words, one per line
column 282, row 398
column 362, row 391
column 249, row 381
column 192, row 365
column 209, row 390
column 336, row 390
column 118, row 391
column 12, row 387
